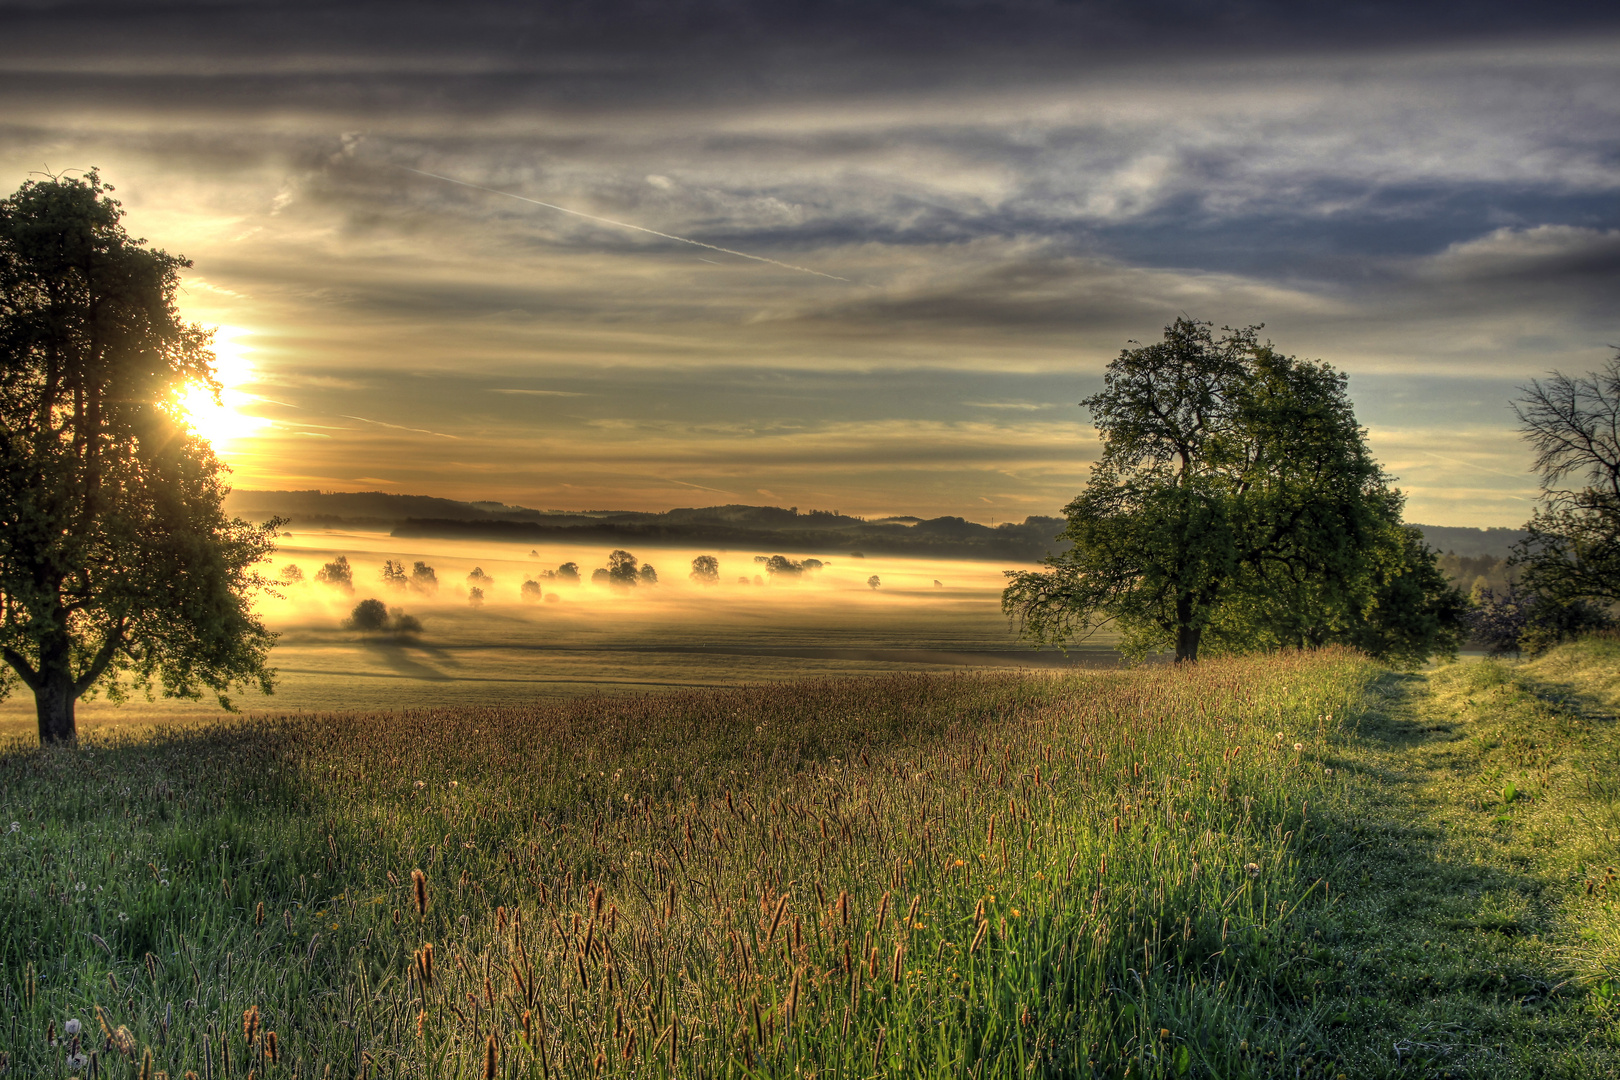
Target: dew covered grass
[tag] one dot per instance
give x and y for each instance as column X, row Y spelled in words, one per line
column 972, row 874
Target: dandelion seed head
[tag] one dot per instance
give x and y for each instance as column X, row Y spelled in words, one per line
column 73, row 1027
column 1252, row 869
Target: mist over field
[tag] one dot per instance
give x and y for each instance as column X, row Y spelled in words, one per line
column 589, row 637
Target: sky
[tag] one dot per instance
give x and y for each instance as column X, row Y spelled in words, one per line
column 846, row 256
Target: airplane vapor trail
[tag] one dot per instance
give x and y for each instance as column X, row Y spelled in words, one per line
column 624, row 224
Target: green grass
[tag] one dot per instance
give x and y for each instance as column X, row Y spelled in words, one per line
column 1284, row 866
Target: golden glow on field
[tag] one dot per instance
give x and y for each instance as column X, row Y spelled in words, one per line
column 223, row 420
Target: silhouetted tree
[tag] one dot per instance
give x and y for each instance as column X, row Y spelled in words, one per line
column 649, row 576
column 118, row 566
column 393, row 575
column 369, row 615
column 475, row 596
column 531, row 591
column 782, row 566
column 873, row 582
column 479, row 578
column 621, row 569
column 337, row 574
column 812, row 565
column 423, row 579
column 373, row 616
column 600, row 576
column 292, row 574
column 568, row 572
column 706, row 570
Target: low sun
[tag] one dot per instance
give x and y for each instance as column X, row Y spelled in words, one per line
column 223, row 421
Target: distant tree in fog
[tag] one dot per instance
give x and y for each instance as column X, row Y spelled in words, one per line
column 706, row 570
column 937, row 584
column 393, row 574
column 531, row 591
column 337, row 574
column 475, row 596
column 373, row 616
column 600, row 576
column 291, row 574
column 622, row 570
column 762, row 559
column 812, row 565
column 479, row 578
column 534, row 553
column 369, row 615
column 874, row 581
column 423, row 579
column 742, row 580
column 782, row 566
column 649, row 576
column 568, row 571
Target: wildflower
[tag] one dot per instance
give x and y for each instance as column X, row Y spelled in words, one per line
column 1279, row 736
column 1016, row 913
column 73, row 1027
column 1252, row 869
column 1327, row 772
column 420, row 784
column 123, row 917
column 1298, row 747
column 455, row 783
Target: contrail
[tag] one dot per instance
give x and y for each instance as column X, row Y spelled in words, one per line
column 624, row 224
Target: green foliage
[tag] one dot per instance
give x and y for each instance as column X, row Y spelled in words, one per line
column 118, row 568
column 1236, row 507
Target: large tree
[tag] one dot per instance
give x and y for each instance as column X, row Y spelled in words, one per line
column 118, row 567
column 1236, row 506
column 1570, row 556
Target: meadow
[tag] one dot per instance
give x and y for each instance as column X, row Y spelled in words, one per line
column 1297, row 865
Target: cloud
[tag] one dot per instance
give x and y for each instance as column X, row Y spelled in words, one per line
column 1543, row 253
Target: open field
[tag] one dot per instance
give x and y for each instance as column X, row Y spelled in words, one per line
column 1284, row 866
column 594, row 639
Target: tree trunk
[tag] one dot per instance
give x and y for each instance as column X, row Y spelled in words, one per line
column 1187, row 634
column 54, row 697
column 1187, row 643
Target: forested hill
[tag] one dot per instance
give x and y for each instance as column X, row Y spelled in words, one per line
column 761, row 527
column 1454, row 540
column 786, row 529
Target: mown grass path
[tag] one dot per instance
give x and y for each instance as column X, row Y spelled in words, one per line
column 1476, row 929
